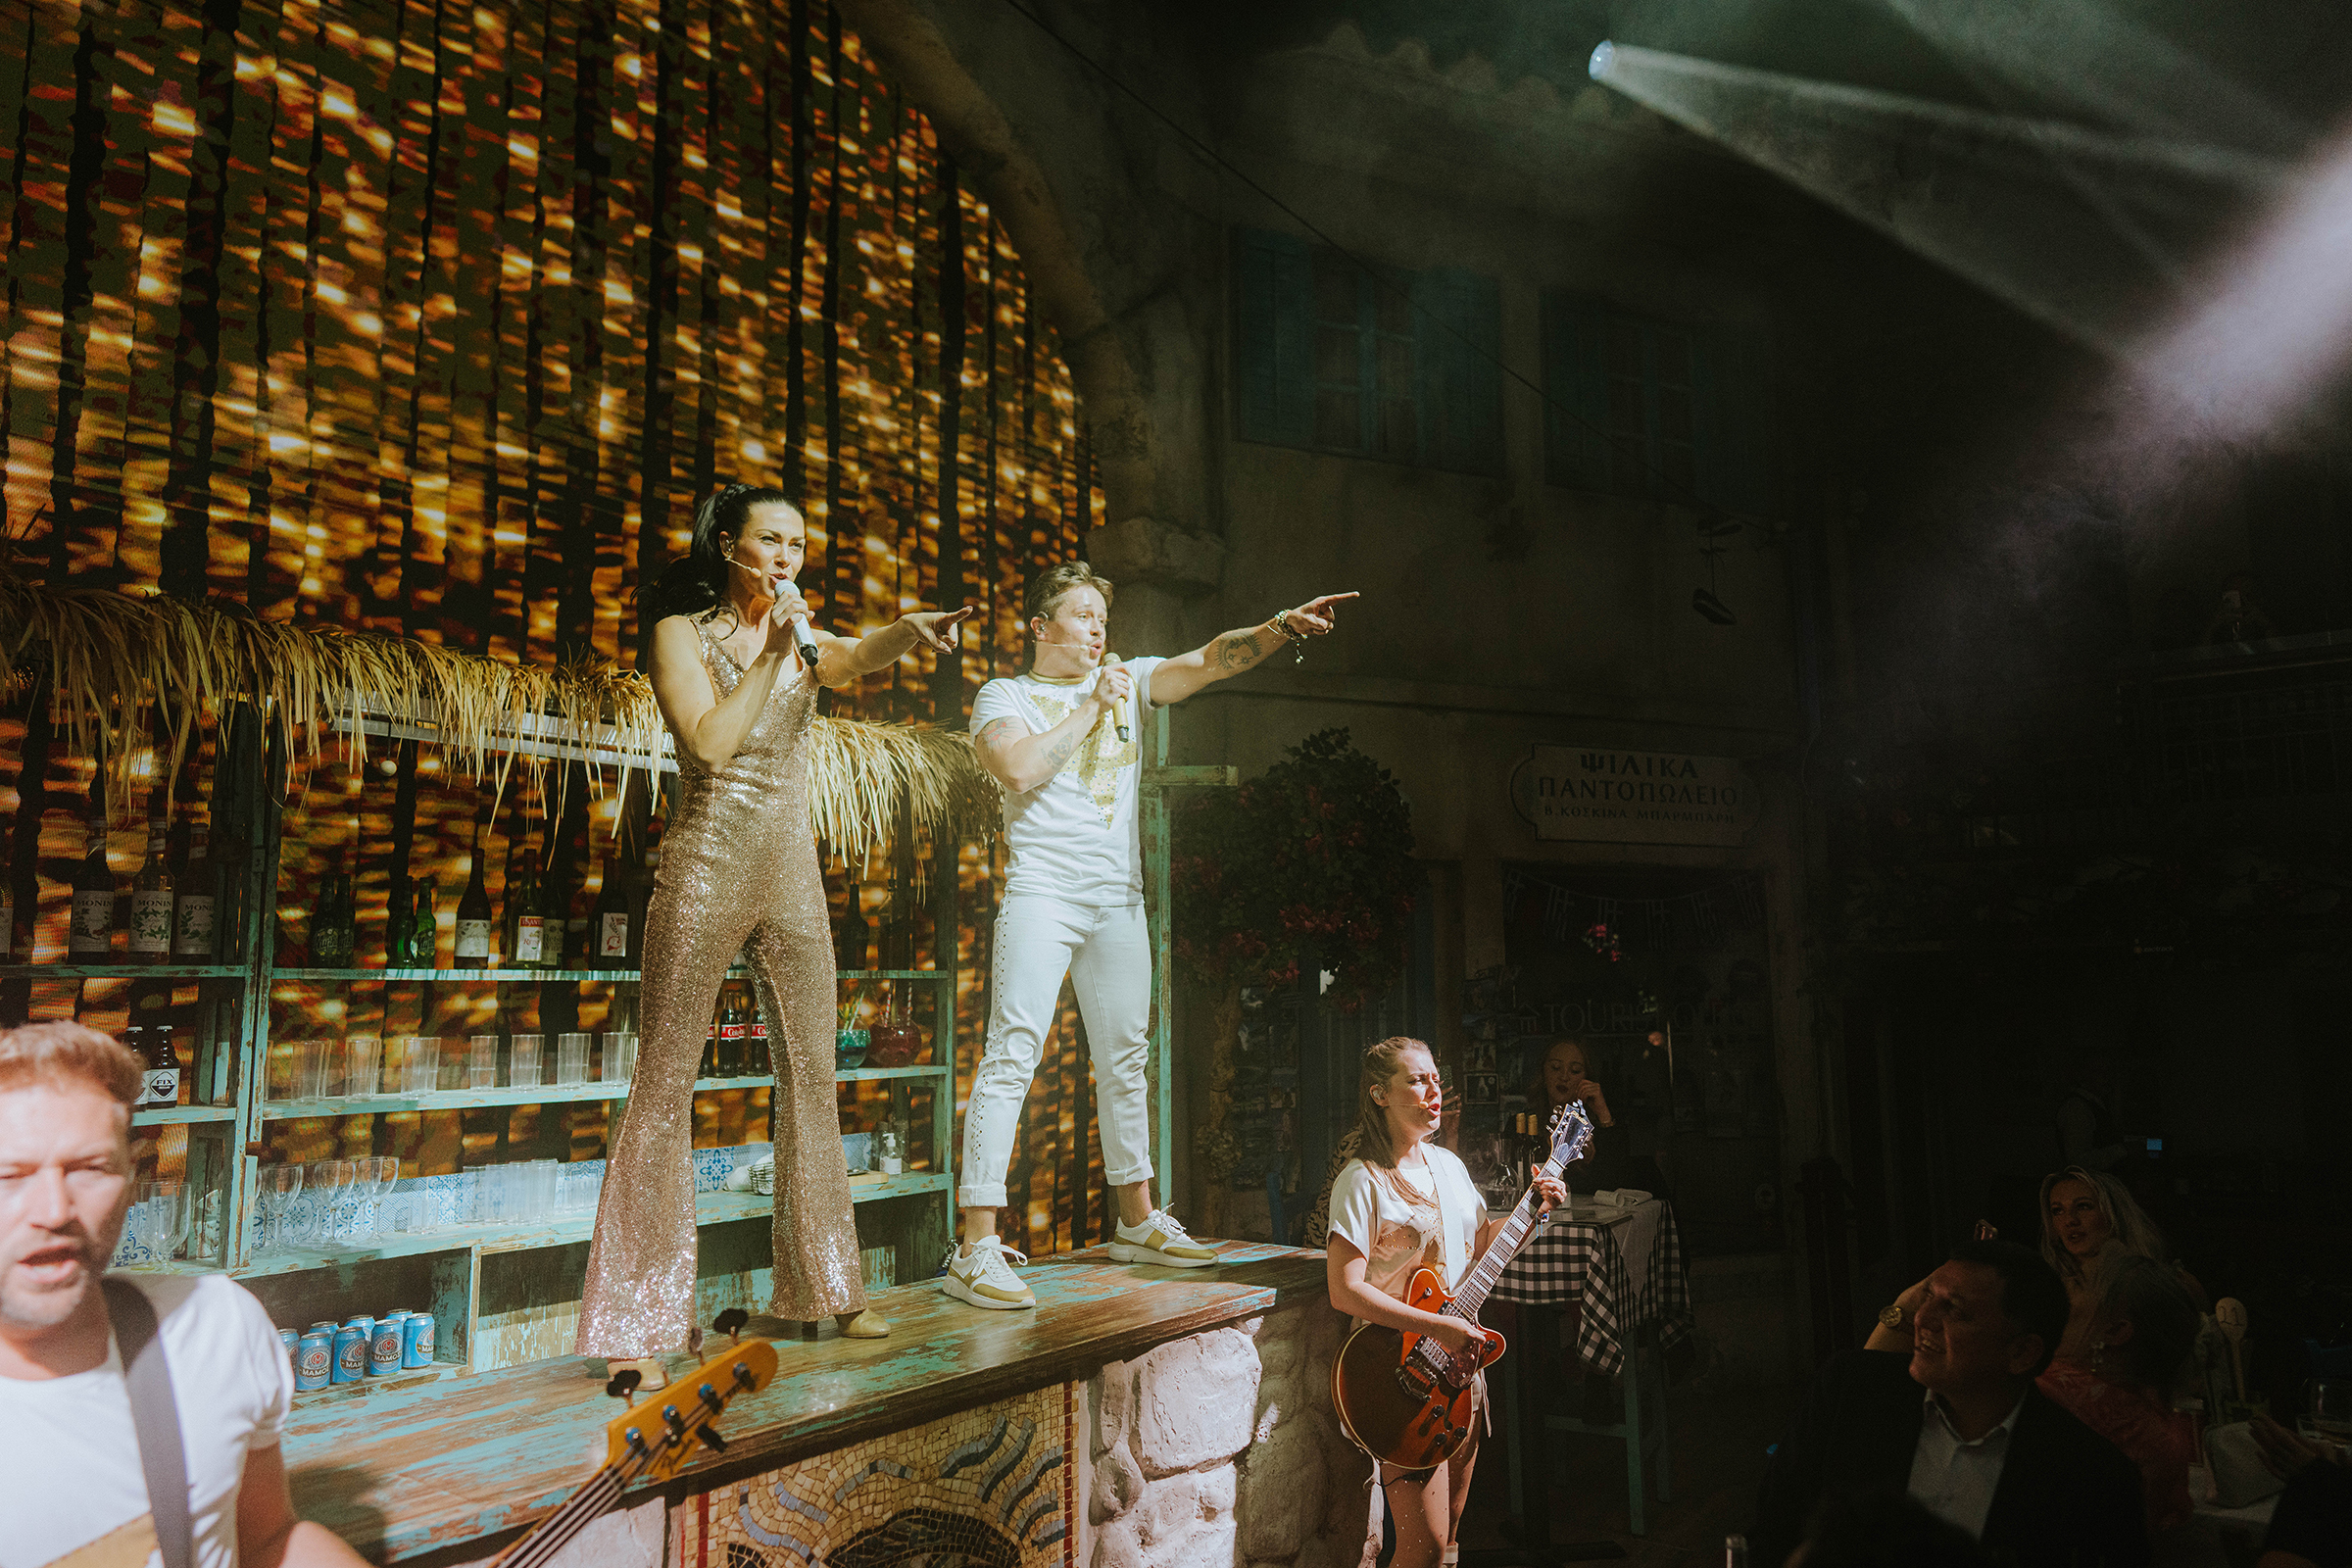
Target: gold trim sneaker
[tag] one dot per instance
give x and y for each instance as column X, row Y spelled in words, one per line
column 1161, row 1240
column 984, row 1276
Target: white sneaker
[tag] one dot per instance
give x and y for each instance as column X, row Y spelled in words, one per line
column 1161, row 1240
column 984, row 1278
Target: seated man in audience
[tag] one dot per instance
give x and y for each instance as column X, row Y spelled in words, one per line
column 69, row 1445
column 1959, row 1425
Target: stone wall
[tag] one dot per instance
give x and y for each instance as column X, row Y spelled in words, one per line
column 1222, row 1449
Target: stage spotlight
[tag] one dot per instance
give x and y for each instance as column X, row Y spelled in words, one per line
column 1597, row 68
column 1714, row 609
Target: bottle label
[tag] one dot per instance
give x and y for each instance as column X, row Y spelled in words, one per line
column 93, row 923
column 892, row 1165
column 731, row 1031
column 196, row 925
column 612, row 936
column 163, row 1088
column 151, row 922
column 530, row 939
column 473, row 939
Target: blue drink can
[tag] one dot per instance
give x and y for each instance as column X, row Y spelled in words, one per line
column 360, row 1320
column 416, row 1340
column 290, row 1339
column 383, row 1348
column 351, row 1354
column 314, row 1359
column 327, row 1328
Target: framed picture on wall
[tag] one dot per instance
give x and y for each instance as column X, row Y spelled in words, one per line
column 1482, row 1088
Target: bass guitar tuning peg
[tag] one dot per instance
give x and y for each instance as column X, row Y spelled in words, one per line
column 623, row 1386
column 731, row 1323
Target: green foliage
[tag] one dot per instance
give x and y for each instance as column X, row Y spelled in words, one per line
column 1309, row 863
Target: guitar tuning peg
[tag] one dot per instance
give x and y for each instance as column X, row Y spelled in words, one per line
column 711, row 1440
column 694, row 1342
column 731, row 1323
column 623, row 1386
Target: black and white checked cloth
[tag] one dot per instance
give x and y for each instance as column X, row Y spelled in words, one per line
column 1575, row 1261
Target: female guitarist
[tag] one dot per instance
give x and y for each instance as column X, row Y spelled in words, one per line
column 1402, row 1203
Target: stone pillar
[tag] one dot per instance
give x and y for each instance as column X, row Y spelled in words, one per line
column 1221, row 1451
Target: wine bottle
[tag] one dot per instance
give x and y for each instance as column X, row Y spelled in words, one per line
column 854, row 934
column 563, row 906
column 93, row 932
column 195, row 901
column 151, row 891
column 8, row 917
column 400, row 924
column 474, row 909
column 640, row 893
column 329, row 943
column 525, row 927
column 424, row 939
column 608, row 920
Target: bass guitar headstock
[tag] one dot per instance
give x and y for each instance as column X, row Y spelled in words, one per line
column 658, row 1437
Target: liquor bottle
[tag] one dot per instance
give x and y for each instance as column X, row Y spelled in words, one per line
column 854, row 934
column 424, row 938
column 195, row 901
column 93, row 932
column 151, row 891
column 525, row 927
column 331, row 921
column 734, row 1026
column 608, row 920
column 474, row 909
column 149, row 1037
column 556, row 949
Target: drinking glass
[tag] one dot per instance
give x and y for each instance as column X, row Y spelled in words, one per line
column 2329, row 1404
column 280, row 1186
column 333, row 1178
column 572, row 1059
column 482, row 1061
column 363, row 1066
column 522, row 1062
column 160, row 1217
column 421, row 1064
column 379, row 1173
column 620, row 1056
column 314, row 1071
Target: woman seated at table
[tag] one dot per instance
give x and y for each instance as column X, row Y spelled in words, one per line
column 2089, row 1221
column 1560, row 1080
column 1402, row 1203
column 2143, row 1327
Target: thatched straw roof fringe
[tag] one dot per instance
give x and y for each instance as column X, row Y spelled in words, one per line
column 120, row 664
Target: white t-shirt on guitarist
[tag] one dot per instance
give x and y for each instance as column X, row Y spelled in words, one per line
column 71, row 1458
column 1392, row 1233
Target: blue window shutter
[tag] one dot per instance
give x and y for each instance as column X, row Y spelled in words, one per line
column 1731, row 390
column 1458, row 322
column 1575, row 386
column 1274, row 348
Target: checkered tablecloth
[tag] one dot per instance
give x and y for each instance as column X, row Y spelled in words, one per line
column 1578, row 1260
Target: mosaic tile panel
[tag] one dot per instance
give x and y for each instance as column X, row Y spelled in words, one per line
column 988, row 1488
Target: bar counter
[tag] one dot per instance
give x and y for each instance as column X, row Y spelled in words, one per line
column 451, row 1470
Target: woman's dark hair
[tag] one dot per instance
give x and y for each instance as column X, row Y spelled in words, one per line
column 1539, row 1082
column 697, row 581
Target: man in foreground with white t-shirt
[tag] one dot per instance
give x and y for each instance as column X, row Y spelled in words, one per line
column 1061, row 738
column 68, row 1444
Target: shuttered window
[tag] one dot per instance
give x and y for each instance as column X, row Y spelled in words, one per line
column 1665, row 411
column 1337, row 357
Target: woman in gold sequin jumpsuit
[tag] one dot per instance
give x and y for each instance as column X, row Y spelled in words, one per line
column 739, row 873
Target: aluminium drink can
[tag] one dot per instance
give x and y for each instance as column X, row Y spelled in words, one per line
column 416, row 1340
column 383, row 1346
column 351, row 1354
column 313, row 1359
column 291, row 1341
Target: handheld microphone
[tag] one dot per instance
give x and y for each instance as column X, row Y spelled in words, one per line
column 804, row 641
column 1120, row 718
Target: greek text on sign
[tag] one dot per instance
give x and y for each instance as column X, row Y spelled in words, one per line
column 1626, row 797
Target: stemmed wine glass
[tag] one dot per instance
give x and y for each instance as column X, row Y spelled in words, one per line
column 381, row 1172
column 280, row 1186
column 333, row 1178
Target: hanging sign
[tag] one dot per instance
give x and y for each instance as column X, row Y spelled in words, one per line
column 1634, row 797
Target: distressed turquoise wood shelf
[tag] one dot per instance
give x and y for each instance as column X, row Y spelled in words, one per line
column 181, row 1115
column 709, row 1209
column 547, row 1094
column 125, row 971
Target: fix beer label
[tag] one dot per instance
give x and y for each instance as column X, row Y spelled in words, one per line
column 162, row 1087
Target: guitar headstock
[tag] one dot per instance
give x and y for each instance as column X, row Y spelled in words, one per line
column 661, row 1433
column 1571, row 1134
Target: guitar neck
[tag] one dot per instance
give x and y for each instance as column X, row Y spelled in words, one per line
column 1499, row 1254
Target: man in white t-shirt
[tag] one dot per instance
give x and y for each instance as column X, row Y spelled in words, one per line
column 1061, row 738
column 68, row 1452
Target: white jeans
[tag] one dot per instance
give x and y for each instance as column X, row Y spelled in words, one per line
column 1107, row 956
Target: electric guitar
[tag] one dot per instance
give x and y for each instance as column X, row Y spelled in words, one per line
column 1403, row 1398
column 652, row 1441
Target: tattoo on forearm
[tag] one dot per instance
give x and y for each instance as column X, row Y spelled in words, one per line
column 1061, row 750
column 999, row 730
column 1236, row 650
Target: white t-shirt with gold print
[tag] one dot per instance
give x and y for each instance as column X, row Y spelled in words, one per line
column 1076, row 837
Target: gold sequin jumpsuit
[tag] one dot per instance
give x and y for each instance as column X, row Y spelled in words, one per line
column 738, row 861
